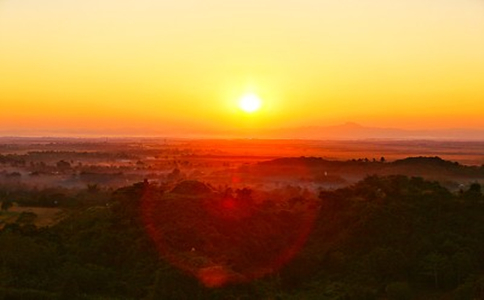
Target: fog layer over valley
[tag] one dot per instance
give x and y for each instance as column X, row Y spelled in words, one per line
column 266, row 164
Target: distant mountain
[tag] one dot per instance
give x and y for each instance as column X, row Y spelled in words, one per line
column 355, row 131
column 347, row 131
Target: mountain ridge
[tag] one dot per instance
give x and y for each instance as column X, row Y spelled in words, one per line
column 351, row 130
column 345, row 131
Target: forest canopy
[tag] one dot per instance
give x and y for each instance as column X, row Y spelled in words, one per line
column 394, row 236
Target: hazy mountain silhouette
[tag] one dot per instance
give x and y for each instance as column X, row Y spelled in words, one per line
column 352, row 130
column 346, row 131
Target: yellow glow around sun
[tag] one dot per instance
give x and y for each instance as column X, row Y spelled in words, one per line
column 250, row 103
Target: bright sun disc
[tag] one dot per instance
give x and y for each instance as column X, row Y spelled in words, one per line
column 250, row 103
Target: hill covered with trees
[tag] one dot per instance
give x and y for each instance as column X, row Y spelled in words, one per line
column 339, row 173
column 385, row 237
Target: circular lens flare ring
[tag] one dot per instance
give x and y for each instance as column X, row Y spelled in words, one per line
column 206, row 250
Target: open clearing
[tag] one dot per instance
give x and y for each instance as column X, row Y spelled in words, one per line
column 46, row 216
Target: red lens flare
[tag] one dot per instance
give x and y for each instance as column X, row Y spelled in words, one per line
column 223, row 238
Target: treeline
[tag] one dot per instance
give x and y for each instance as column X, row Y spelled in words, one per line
column 74, row 198
column 392, row 237
column 41, row 157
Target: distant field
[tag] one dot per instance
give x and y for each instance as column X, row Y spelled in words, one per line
column 45, row 216
column 470, row 153
column 465, row 152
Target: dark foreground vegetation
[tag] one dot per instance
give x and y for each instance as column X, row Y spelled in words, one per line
column 391, row 237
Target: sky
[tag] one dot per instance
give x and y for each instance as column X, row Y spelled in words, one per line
column 181, row 66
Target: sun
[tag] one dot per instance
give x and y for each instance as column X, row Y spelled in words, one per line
column 250, row 103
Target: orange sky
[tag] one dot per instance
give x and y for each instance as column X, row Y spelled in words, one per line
column 174, row 66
